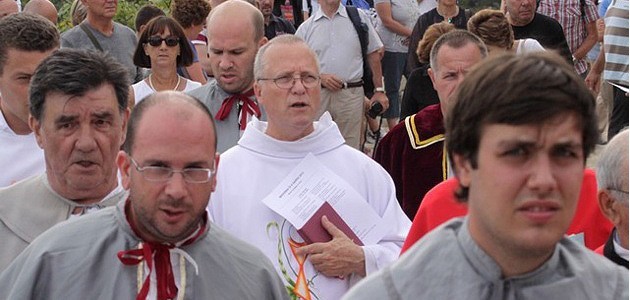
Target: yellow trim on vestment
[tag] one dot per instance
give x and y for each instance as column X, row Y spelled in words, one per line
column 444, row 163
column 414, row 137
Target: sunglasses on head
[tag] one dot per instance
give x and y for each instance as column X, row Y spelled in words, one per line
column 156, row 41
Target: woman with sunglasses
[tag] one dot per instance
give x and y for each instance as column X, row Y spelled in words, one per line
column 162, row 47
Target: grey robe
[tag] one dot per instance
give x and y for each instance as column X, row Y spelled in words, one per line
column 448, row 264
column 78, row 260
column 228, row 132
column 30, row 207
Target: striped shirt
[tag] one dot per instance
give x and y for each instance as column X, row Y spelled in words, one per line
column 569, row 14
column 616, row 43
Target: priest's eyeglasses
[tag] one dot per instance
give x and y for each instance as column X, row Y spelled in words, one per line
column 287, row 82
column 162, row 174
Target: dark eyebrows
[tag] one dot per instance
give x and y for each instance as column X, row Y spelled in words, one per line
column 197, row 165
column 105, row 115
column 161, row 163
column 154, row 163
column 237, row 50
column 534, row 145
column 516, row 143
column 568, row 145
column 65, row 119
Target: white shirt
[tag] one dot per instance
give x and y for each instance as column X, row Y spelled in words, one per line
column 142, row 89
column 20, row 156
column 621, row 251
column 336, row 42
column 528, row 46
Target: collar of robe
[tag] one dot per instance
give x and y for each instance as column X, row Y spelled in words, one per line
column 249, row 107
column 157, row 256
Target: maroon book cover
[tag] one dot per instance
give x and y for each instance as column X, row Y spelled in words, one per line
column 314, row 232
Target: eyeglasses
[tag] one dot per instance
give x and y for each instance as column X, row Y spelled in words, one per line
column 161, row 174
column 156, row 41
column 287, row 82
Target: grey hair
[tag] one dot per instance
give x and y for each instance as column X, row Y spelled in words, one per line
column 286, row 39
column 456, row 39
column 75, row 72
column 610, row 170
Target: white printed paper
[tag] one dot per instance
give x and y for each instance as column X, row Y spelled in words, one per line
column 309, row 185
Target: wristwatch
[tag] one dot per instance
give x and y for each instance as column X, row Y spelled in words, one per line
column 379, row 90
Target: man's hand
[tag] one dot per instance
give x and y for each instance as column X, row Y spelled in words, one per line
column 331, row 82
column 338, row 258
column 592, row 81
column 381, row 98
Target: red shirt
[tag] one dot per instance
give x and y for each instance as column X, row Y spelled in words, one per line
column 439, row 205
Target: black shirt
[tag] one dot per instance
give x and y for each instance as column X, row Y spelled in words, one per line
column 424, row 21
column 296, row 5
column 278, row 26
column 548, row 32
column 419, row 92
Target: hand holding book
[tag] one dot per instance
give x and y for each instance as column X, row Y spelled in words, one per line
column 339, row 257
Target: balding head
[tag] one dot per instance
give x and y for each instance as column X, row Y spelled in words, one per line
column 164, row 98
column 8, row 7
column 235, row 32
column 43, row 8
column 233, row 11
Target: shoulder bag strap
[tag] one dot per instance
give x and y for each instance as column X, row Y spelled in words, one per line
column 353, row 14
column 91, row 36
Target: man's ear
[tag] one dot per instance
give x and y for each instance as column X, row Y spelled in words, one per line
column 262, row 41
column 258, row 92
column 216, row 171
column 37, row 130
column 463, row 169
column 607, row 206
column 124, row 167
column 431, row 75
column 125, row 120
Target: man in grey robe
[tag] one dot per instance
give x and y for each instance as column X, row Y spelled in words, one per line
column 235, row 32
column 159, row 243
column 78, row 113
column 519, row 155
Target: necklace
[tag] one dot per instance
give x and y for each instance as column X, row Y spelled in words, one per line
column 174, row 89
column 447, row 18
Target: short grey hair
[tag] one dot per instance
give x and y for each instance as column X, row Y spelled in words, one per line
column 456, row 39
column 286, row 39
column 609, row 171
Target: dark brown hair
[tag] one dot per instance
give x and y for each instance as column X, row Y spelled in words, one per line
column 156, row 26
column 515, row 90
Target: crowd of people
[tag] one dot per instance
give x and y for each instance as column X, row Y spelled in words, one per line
column 216, row 150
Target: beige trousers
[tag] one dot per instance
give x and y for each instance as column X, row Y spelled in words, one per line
column 346, row 108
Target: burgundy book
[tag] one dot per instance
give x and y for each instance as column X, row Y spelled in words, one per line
column 314, row 232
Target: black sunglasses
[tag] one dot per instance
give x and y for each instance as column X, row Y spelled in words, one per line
column 156, row 41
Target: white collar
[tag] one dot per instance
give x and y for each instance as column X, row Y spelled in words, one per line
column 623, row 253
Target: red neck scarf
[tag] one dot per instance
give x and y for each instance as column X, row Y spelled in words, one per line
column 249, row 108
column 159, row 255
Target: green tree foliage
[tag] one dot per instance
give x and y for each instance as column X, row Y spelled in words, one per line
column 126, row 14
